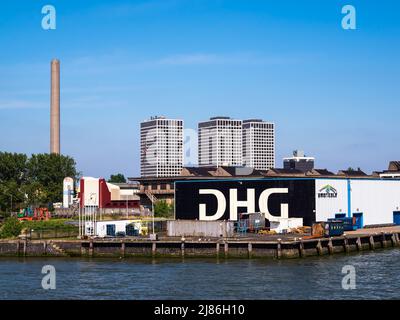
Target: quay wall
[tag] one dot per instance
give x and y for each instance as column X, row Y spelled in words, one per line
column 223, row 248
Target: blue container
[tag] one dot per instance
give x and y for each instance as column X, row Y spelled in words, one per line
column 131, row 231
column 334, row 228
column 348, row 223
column 358, row 220
column 110, row 230
column 396, row 217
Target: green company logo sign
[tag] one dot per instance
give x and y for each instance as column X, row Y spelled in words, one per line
column 327, row 192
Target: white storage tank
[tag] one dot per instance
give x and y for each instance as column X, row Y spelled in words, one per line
column 68, row 192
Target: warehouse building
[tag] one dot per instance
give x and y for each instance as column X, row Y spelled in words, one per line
column 372, row 201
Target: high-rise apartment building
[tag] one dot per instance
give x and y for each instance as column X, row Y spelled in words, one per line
column 161, row 143
column 220, row 142
column 258, row 144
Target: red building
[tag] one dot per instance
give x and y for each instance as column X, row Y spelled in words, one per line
column 99, row 193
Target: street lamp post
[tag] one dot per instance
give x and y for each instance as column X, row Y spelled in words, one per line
column 11, row 206
column 152, row 206
column 127, row 214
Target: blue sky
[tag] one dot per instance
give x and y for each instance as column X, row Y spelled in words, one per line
column 332, row 92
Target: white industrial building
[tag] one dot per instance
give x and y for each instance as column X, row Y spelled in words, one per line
column 68, row 192
column 374, row 201
column 161, row 143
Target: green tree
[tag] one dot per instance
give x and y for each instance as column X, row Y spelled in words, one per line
column 11, row 228
column 46, row 173
column 13, row 167
column 33, row 181
column 163, row 209
column 117, row 178
column 13, row 174
column 35, row 194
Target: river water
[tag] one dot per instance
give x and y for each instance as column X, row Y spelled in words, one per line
column 377, row 276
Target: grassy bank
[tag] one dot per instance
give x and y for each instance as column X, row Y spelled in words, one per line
column 54, row 228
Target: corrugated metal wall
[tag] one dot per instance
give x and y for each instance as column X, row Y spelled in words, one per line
column 375, row 198
column 187, row 228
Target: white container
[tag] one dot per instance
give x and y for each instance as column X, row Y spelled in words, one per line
column 196, row 228
column 281, row 225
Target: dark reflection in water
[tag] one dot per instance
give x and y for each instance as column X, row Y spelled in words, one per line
column 377, row 277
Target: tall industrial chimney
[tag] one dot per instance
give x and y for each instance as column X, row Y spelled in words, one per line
column 55, row 107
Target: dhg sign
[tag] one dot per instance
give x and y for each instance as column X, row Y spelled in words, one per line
column 225, row 199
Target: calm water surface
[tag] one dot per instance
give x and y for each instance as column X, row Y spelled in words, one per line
column 377, row 277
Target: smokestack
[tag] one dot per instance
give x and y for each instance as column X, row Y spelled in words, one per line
column 55, row 107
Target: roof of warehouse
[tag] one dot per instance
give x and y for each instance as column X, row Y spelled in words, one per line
column 321, row 172
column 394, row 166
column 200, row 171
column 223, row 172
column 241, row 171
column 285, row 171
column 352, row 173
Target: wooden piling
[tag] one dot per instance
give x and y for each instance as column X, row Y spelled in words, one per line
column 346, row 245
column 383, row 240
column 183, row 248
column 82, row 249
column 226, row 249
column 371, row 243
column 359, row 244
column 301, row 249
column 25, row 247
column 44, row 247
column 122, row 249
column 397, row 239
column 249, row 249
column 153, row 248
column 279, row 249
column 393, row 240
column 91, row 249
column 330, row 246
column 319, row 248
column 217, row 249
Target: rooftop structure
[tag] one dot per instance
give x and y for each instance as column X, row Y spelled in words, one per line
column 299, row 161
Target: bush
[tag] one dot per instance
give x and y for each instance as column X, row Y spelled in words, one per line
column 59, row 224
column 11, row 228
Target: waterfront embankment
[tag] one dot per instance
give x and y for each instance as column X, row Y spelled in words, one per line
column 366, row 239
